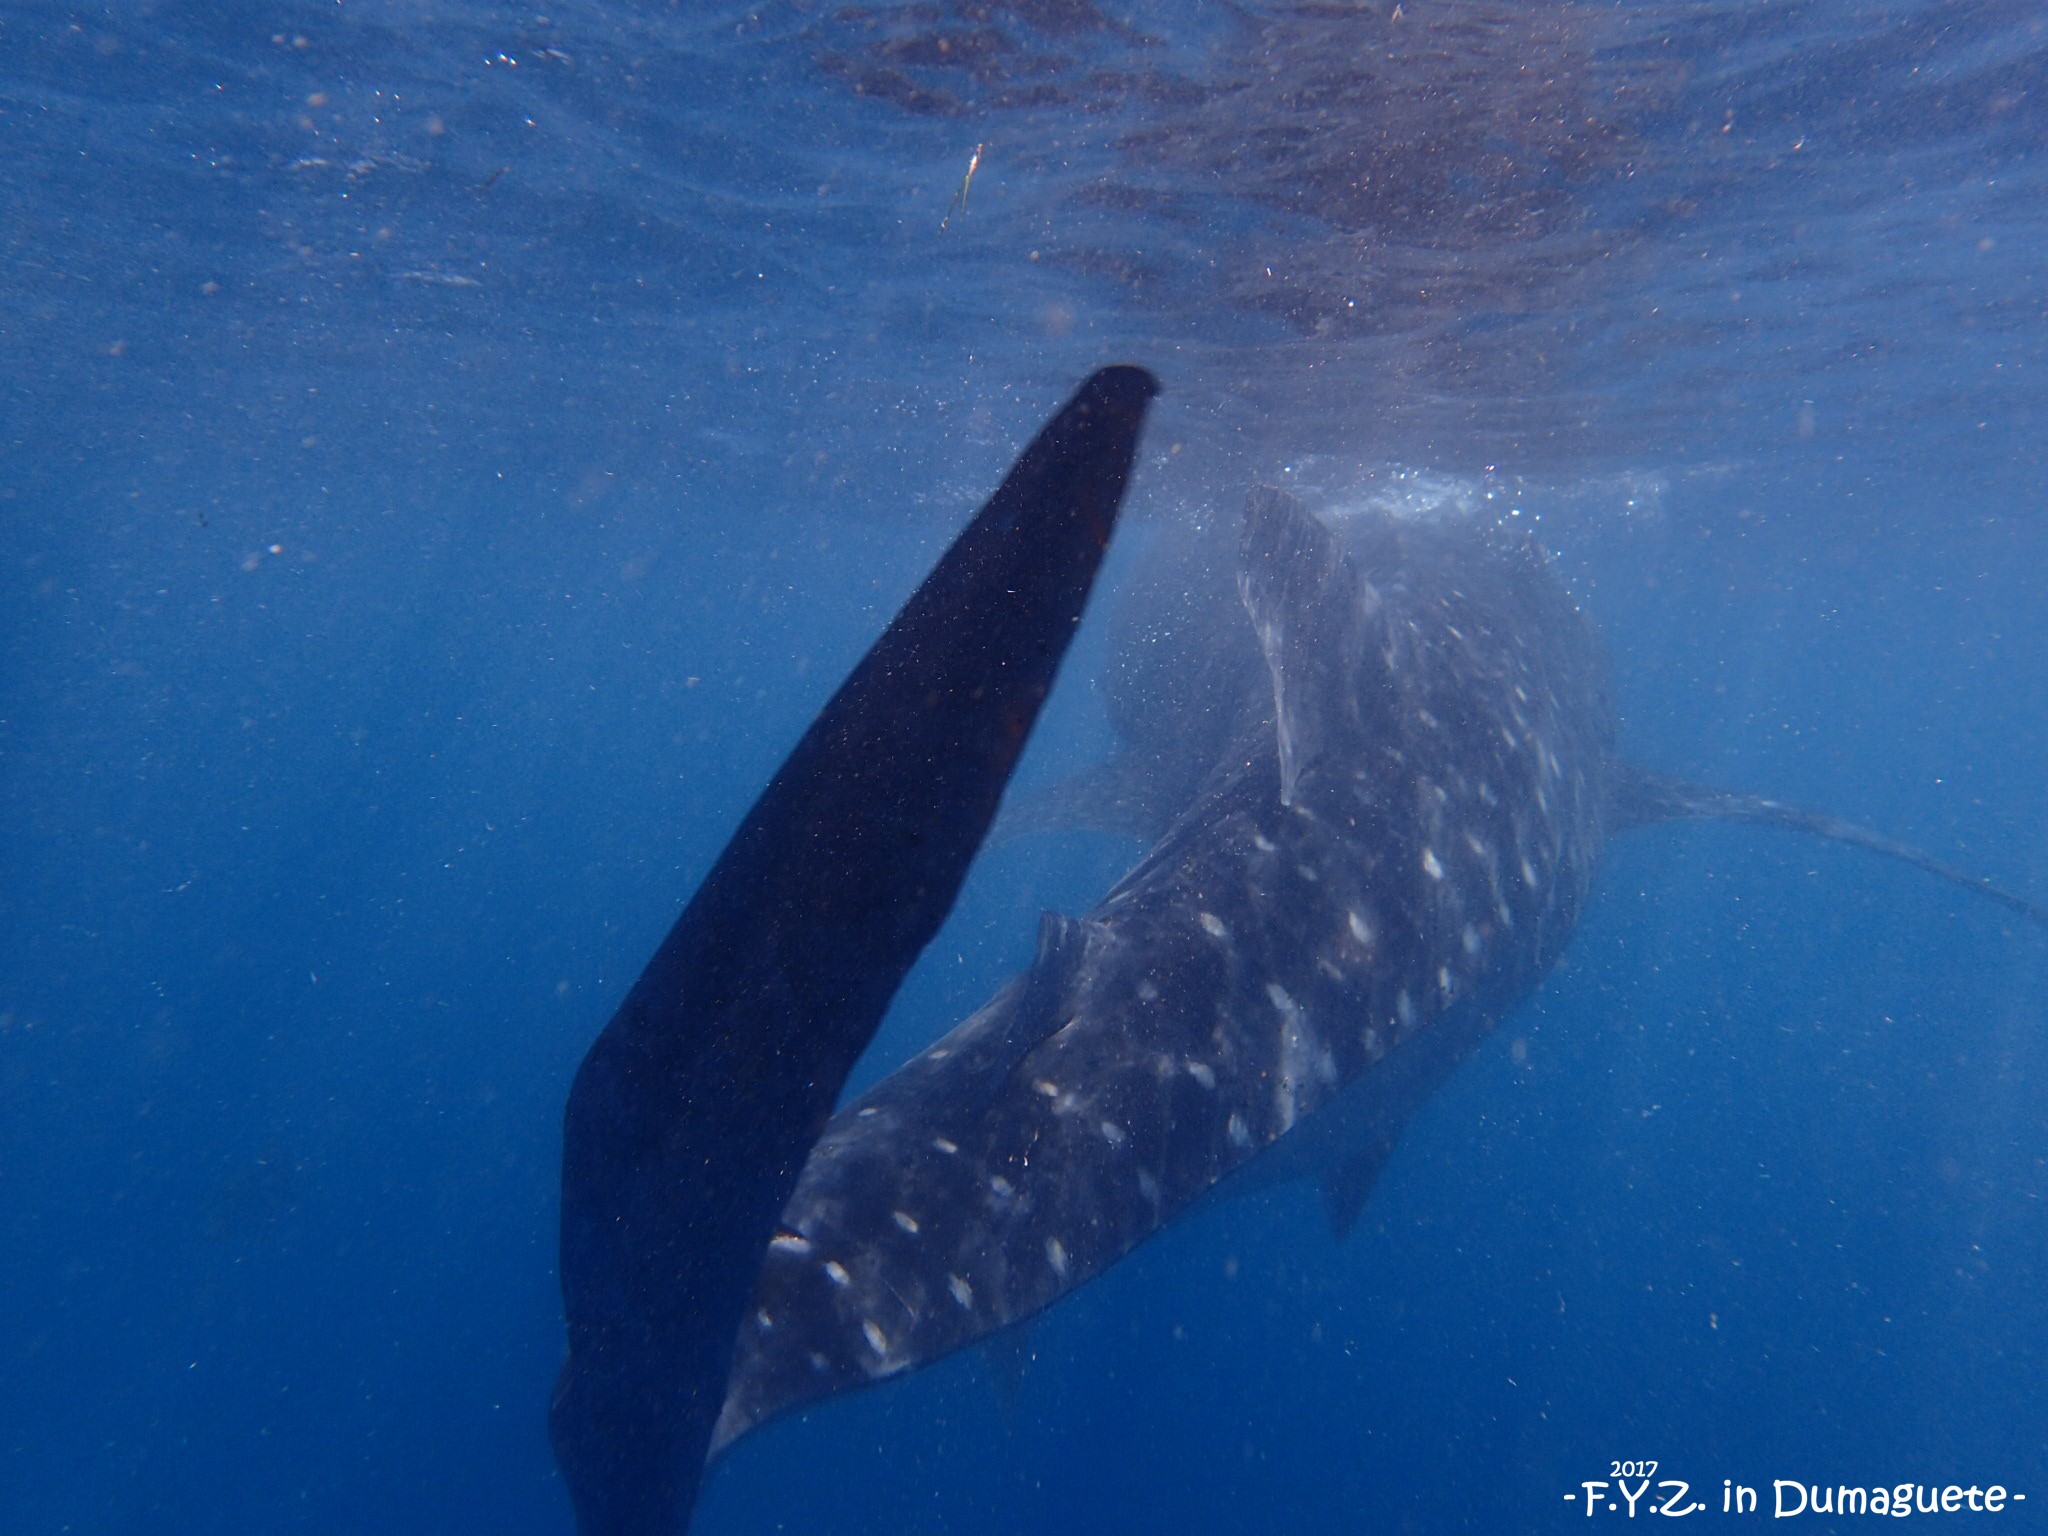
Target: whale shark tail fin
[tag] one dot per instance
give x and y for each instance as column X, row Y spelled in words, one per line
column 698, row 1103
column 1642, row 797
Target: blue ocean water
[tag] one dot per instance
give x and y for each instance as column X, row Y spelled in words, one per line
column 447, row 453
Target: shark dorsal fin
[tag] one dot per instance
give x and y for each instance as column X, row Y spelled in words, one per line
column 980, row 1055
column 697, row 1105
column 1290, row 563
column 1042, row 1008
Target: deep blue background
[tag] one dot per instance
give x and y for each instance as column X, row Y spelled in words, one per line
column 440, row 476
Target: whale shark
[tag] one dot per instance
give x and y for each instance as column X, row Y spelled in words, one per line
column 1377, row 777
column 1381, row 794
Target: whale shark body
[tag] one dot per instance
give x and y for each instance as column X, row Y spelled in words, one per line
column 1392, row 847
column 1412, row 782
column 1378, row 779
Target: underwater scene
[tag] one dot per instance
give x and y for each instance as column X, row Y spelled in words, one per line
column 1504, row 987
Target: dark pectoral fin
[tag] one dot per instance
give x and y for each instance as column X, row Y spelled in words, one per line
column 1348, row 1185
column 696, row 1107
column 1641, row 797
column 1008, row 1354
column 1305, row 602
